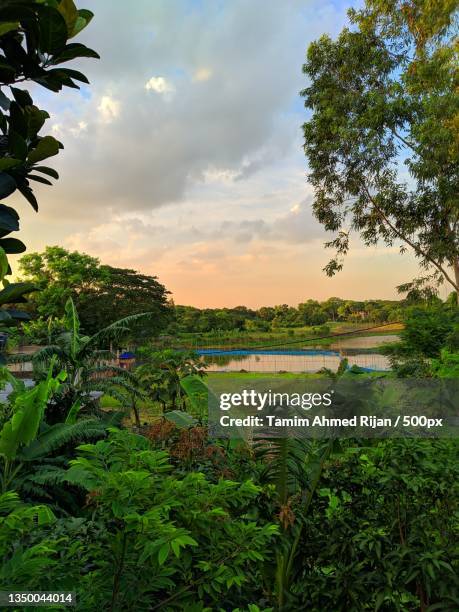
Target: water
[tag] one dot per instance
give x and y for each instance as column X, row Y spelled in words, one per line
column 301, row 360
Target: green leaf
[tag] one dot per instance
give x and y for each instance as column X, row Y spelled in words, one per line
column 29, row 195
column 5, row 316
column 163, row 553
column 17, row 145
column 69, row 12
column 73, row 412
column 12, row 245
column 44, row 515
column 45, row 170
column 84, row 18
column 73, row 325
column 29, row 408
column 35, row 119
column 3, row 264
column 9, row 162
column 197, row 392
column 8, row 26
column 19, row 315
column 7, row 72
column 53, row 30
column 181, row 419
column 13, row 291
column 38, row 179
column 7, row 185
column 9, row 219
column 74, row 74
column 47, row 147
column 22, row 97
column 5, row 102
column 72, row 51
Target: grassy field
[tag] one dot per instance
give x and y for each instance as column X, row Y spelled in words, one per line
column 312, row 336
column 149, row 411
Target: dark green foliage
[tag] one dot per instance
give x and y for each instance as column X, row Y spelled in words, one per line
column 166, row 376
column 167, row 541
column 427, row 329
column 382, row 534
column 33, row 42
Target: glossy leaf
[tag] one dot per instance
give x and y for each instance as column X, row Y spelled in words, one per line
column 13, row 291
column 47, row 147
column 12, row 245
column 53, row 30
column 9, row 218
column 7, row 185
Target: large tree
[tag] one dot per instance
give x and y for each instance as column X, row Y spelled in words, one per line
column 102, row 294
column 382, row 140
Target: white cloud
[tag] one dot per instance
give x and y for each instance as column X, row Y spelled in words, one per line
column 81, row 127
column 160, row 85
column 109, row 109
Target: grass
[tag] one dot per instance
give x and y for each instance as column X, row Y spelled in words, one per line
column 149, row 411
column 284, row 335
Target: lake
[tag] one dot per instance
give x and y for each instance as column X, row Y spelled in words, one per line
column 301, row 360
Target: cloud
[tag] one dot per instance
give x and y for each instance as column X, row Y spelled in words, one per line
column 108, row 108
column 160, row 85
column 140, row 155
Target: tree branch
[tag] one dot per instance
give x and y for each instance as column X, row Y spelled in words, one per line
column 418, row 250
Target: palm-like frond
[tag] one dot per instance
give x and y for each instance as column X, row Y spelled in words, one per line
column 284, row 464
column 118, row 327
column 62, row 434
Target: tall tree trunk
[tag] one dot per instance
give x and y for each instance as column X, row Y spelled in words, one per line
column 456, row 276
column 136, row 412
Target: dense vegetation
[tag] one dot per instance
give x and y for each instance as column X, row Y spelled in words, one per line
column 157, row 515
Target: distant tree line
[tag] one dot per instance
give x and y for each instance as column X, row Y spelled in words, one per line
column 104, row 294
column 311, row 313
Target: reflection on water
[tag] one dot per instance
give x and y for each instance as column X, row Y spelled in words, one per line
column 307, row 362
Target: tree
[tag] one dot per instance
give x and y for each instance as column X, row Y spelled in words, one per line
column 330, row 307
column 382, row 141
column 102, row 294
column 121, row 292
column 33, row 44
column 59, row 275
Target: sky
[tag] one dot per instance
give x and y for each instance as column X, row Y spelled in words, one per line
column 183, row 157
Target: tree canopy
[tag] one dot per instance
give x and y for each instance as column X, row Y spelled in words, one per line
column 382, row 141
column 102, row 294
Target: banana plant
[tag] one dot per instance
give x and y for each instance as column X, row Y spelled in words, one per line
column 34, row 453
column 22, row 428
column 88, row 367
